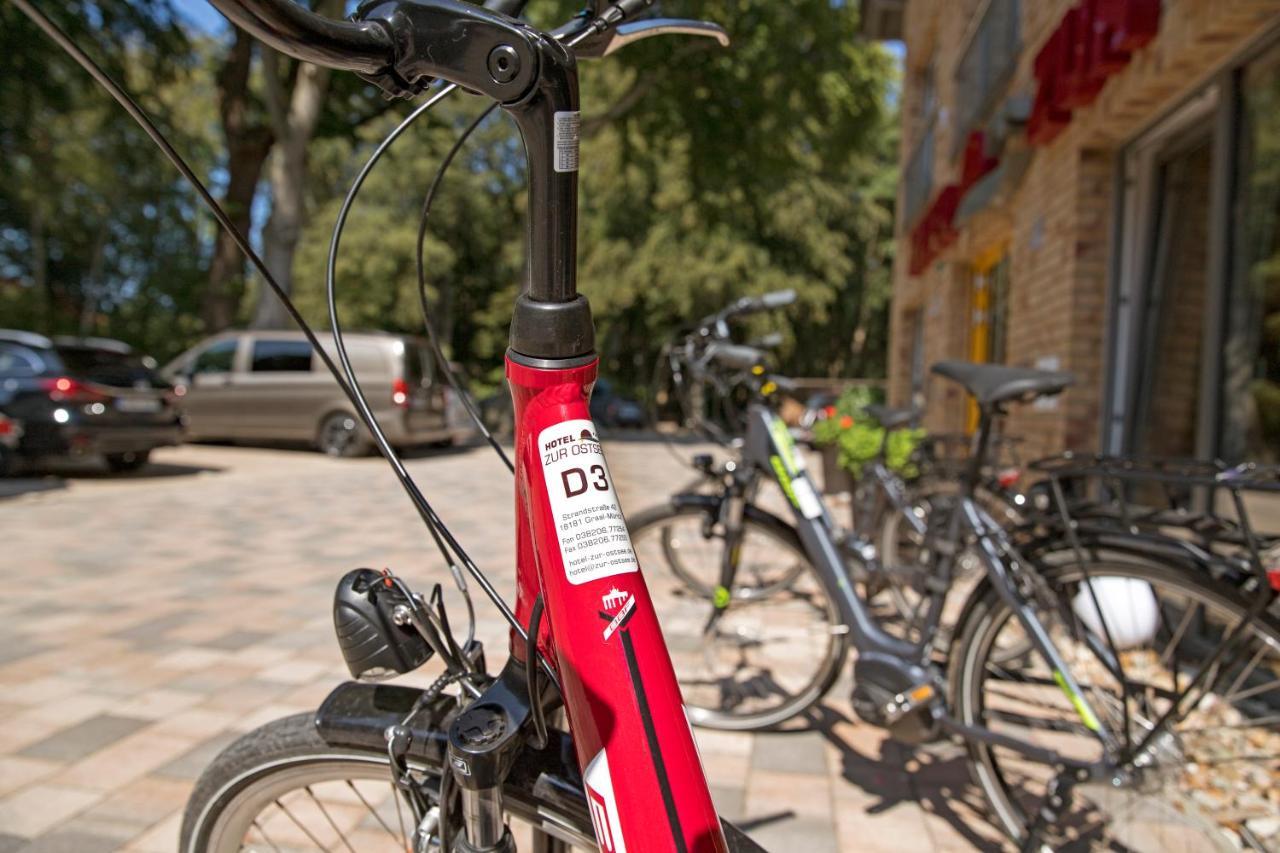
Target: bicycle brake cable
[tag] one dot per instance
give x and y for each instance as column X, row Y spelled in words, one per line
column 131, row 107
column 437, row 526
column 463, row 395
column 450, row 375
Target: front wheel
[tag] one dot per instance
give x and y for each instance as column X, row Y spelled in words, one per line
column 133, row 460
column 341, row 435
column 754, row 656
column 281, row 787
column 1207, row 782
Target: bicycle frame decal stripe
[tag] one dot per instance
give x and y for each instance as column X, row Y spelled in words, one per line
column 603, row 805
column 786, row 445
column 1086, row 716
column 651, row 734
column 784, row 479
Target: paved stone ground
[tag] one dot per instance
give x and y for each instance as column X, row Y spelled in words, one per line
column 148, row 620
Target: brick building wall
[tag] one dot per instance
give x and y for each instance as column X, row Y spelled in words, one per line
column 1056, row 222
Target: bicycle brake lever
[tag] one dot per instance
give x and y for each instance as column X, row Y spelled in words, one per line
column 618, row 37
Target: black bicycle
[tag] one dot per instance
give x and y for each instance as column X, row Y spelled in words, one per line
column 1095, row 679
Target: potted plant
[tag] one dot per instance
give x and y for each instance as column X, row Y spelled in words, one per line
column 849, row 440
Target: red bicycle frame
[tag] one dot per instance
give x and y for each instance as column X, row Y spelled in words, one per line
column 619, row 688
column 620, row 693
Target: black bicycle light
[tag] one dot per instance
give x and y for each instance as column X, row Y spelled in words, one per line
column 371, row 619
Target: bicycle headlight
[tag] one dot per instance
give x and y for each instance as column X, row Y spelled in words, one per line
column 377, row 642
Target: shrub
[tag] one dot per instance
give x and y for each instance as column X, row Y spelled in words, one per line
column 857, row 438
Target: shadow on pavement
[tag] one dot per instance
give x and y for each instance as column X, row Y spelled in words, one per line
column 51, row 476
column 934, row 776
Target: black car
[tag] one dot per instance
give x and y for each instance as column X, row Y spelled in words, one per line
column 85, row 397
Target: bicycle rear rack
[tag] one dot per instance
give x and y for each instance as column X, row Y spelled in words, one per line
column 1199, row 504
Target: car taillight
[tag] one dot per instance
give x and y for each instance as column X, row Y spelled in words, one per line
column 400, row 393
column 6, row 426
column 64, row 389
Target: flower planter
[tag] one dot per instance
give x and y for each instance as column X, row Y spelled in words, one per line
column 835, row 479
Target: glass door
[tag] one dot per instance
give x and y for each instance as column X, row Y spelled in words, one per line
column 1251, row 352
column 1166, row 396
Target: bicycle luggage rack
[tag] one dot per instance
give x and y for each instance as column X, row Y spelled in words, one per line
column 1099, row 494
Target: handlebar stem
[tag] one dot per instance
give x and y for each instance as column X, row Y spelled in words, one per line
column 535, row 79
column 401, row 45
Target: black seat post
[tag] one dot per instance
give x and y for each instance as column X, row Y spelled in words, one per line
column 978, row 454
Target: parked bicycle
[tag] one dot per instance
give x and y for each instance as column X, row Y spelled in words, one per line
column 1094, row 680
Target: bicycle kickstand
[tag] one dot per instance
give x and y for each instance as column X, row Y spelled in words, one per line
column 1051, row 805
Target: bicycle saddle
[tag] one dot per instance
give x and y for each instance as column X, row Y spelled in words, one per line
column 995, row 383
column 890, row 418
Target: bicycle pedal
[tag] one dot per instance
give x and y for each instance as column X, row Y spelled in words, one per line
column 909, row 701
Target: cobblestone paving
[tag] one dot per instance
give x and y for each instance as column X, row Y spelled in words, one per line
column 148, row 620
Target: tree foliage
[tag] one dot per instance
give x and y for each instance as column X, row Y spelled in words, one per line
column 707, row 174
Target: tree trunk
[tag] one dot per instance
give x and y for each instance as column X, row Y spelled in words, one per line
column 40, row 267
column 248, row 144
column 94, row 287
column 294, row 124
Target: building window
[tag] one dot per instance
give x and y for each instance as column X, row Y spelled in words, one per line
column 989, row 301
column 985, row 67
column 988, row 316
column 918, row 177
column 1167, row 397
column 1250, row 419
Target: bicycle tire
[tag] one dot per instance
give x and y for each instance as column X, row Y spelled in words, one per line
column 657, row 516
column 831, row 660
column 979, row 625
column 291, row 745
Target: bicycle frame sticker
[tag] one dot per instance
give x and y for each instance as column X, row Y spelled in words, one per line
column 789, row 467
column 603, row 805
column 593, row 537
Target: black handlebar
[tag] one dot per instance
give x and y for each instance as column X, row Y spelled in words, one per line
column 511, row 8
column 364, row 47
column 777, row 299
column 755, row 304
column 735, row 356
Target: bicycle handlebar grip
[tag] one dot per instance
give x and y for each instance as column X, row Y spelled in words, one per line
column 364, row 47
column 735, row 356
column 778, row 299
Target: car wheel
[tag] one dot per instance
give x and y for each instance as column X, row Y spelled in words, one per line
column 341, row 435
column 129, row 461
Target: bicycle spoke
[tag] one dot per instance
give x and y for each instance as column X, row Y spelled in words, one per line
column 374, row 812
column 395, row 794
column 1171, row 647
column 298, row 823
column 1255, row 691
column 265, row 837
column 341, row 836
column 1246, row 672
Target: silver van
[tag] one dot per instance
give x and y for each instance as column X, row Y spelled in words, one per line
column 269, row 386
